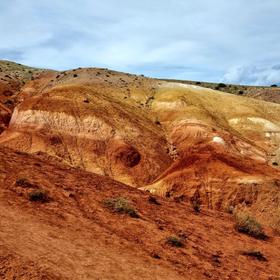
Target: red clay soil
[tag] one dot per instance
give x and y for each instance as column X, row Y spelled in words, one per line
column 74, row 236
column 206, row 155
column 223, row 180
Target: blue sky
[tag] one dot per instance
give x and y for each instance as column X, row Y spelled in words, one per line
column 232, row 41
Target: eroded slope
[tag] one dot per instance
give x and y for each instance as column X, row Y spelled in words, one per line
column 91, row 125
column 73, row 236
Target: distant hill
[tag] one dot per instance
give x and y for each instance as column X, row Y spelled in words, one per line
column 266, row 93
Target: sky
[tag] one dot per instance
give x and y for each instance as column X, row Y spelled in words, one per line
column 204, row 40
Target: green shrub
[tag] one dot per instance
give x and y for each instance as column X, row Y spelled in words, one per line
column 157, row 121
column 121, row 205
column 175, row 241
column 222, row 85
column 196, row 206
column 38, row 196
column 155, row 255
column 230, row 209
column 196, row 201
column 254, row 254
column 249, row 225
column 153, row 200
column 23, row 182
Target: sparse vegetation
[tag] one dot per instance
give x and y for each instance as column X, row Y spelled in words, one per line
column 55, row 140
column 254, row 254
column 35, row 193
column 157, row 121
column 196, row 206
column 266, row 93
column 222, row 85
column 175, row 241
column 155, row 255
column 121, row 205
column 179, row 198
column 23, row 182
column 230, row 209
column 38, row 195
column 216, row 261
column 196, row 201
column 249, row 225
column 9, row 102
column 153, row 200
column 274, row 85
column 150, row 99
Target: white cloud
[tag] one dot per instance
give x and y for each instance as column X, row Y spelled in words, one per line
column 253, row 75
column 201, row 40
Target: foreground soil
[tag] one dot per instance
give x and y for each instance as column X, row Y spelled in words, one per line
column 73, row 236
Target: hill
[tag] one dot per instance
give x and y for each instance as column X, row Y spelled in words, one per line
column 101, row 173
column 266, row 93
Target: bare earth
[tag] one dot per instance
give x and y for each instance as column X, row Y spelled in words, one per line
column 84, row 136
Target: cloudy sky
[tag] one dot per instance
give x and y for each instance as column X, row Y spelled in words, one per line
column 211, row 40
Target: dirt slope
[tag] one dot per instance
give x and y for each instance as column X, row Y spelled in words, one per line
column 74, row 237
